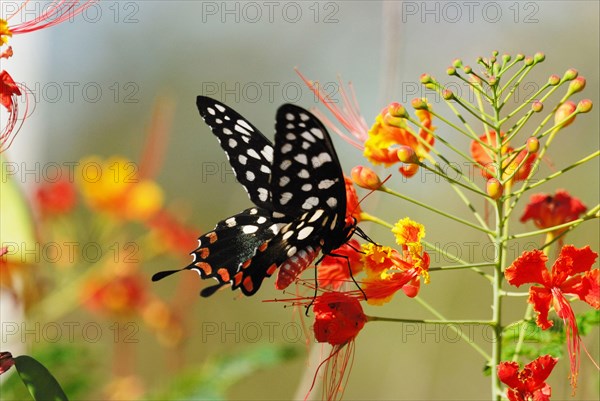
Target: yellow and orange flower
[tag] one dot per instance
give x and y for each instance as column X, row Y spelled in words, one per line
column 391, row 128
column 114, row 186
column 518, row 164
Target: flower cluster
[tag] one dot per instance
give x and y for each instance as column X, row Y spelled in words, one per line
column 507, row 157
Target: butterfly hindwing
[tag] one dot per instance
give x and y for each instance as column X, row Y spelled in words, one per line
column 249, row 152
column 222, row 253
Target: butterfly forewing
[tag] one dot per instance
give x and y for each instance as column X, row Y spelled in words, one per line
column 249, row 152
column 306, row 170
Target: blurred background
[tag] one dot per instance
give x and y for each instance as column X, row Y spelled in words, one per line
column 125, row 74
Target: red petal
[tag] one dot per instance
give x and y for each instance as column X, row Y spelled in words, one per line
column 583, row 258
column 541, row 299
column 530, row 267
column 541, row 369
column 543, row 394
column 586, row 287
column 508, row 373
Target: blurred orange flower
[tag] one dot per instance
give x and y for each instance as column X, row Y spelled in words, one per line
column 121, row 294
column 114, row 186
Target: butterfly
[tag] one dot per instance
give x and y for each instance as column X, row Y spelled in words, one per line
column 298, row 189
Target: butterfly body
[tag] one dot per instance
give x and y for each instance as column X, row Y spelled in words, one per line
column 298, row 189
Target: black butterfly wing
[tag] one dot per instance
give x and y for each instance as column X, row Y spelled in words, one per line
column 308, row 192
column 249, row 152
column 223, row 252
column 306, row 171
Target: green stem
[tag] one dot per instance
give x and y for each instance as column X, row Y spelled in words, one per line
column 440, row 212
column 428, row 321
column 454, row 328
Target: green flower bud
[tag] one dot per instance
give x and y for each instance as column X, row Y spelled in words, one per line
column 447, row 94
column 553, row 80
column 570, row 74
column 576, row 85
column 539, row 57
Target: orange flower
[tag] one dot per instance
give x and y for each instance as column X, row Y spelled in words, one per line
column 333, row 270
column 114, row 186
column 552, row 210
column 390, row 129
column 488, row 162
column 56, row 198
column 389, row 271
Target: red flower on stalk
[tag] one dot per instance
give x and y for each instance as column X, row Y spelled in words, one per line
column 338, row 318
column 123, row 294
column 551, row 210
column 571, row 274
column 529, row 383
column 333, row 270
column 511, row 162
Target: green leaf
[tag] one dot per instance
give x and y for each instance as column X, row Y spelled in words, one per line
column 38, row 380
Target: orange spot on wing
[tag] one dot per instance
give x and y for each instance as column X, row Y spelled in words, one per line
column 246, row 263
column 248, row 284
column 223, row 273
column 205, row 267
column 212, row 237
column 237, row 279
column 262, row 247
column 204, row 252
column 271, row 269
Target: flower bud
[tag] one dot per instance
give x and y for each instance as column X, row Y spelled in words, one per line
column 457, row 63
column 519, row 57
column 492, row 81
column 397, row 110
column 409, row 170
column 533, row 144
column 495, row 53
column 426, row 79
column 553, row 80
column 467, row 69
column 576, row 85
column 564, row 111
column 406, row 154
column 570, row 74
column 506, row 58
column 584, row 106
column 366, row 178
column 528, row 61
column 539, row 57
column 451, row 71
column 494, row 188
column 447, row 94
column 419, row 104
column 537, row 106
